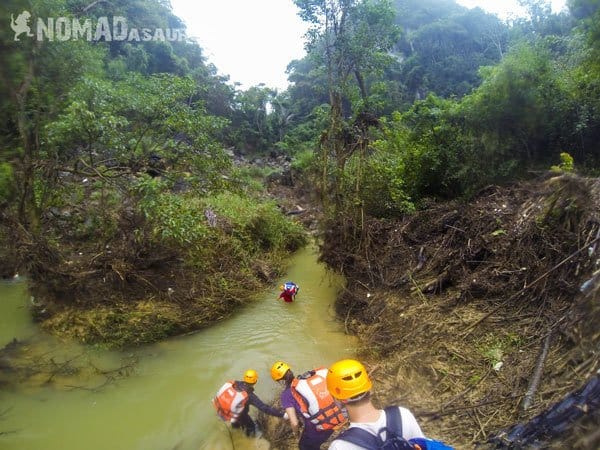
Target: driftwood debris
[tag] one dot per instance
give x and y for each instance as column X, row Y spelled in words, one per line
column 294, row 212
column 534, row 382
column 421, row 259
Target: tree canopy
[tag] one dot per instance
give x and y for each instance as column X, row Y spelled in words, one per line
column 453, row 98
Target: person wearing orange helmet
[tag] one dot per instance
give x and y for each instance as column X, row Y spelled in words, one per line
column 308, row 403
column 349, row 383
column 234, row 399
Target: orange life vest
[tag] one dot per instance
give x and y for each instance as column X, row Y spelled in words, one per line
column 229, row 402
column 316, row 403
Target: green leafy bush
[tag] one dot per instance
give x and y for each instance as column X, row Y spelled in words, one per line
column 6, row 181
column 420, row 153
column 258, row 225
column 174, row 219
column 304, row 160
column 567, row 164
column 226, row 222
column 251, row 179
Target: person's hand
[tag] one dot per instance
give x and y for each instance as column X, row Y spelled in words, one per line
column 286, row 416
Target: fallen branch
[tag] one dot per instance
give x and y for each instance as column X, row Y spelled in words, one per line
column 421, row 259
column 59, row 368
column 537, row 375
column 418, row 289
column 567, row 259
column 537, row 280
column 295, row 212
column 438, row 414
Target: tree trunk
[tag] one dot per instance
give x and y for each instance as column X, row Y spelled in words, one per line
column 28, row 211
column 361, row 84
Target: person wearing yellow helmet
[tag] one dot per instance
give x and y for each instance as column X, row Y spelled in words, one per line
column 370, row 427
column 251, row 376
column 234, row 399
column 308, row 403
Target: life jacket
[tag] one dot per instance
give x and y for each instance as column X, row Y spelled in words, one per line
column 393, row 436
column 229, row 402
column 316, row 403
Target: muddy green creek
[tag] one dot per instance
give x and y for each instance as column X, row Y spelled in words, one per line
column 158, row 397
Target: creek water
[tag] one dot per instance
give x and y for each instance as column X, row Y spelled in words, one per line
column 164, row 402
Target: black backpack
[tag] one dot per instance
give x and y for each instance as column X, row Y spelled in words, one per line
column 393, row 429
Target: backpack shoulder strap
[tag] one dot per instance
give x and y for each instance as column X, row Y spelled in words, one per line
column 360, row 437
column 363, row 438
column 393, row 420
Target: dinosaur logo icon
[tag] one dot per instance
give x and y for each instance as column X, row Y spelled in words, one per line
column 21, row 25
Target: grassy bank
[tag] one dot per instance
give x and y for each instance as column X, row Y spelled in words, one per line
column 120, row 265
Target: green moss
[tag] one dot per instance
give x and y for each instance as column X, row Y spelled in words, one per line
column 494, row 348
column 141, row 323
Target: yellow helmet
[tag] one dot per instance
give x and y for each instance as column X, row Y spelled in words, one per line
column 347, row 378
column 250, row 376
column 278, row 370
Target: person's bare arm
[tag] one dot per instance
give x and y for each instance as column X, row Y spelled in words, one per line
column 293, row 420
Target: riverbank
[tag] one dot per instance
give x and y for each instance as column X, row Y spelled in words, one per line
column 454, row 305
column 135, row 261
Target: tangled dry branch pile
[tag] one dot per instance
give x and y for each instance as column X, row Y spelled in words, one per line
column 472, row 314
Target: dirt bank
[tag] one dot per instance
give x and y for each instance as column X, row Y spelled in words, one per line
column 455, row 304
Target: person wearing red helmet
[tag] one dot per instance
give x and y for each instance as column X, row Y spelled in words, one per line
column 288, row 291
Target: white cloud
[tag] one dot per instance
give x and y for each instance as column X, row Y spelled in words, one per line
column 251, row 41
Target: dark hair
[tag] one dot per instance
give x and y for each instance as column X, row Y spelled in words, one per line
column 288, row 377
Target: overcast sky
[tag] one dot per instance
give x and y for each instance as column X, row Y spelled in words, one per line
column 253, row 41
column 505, row 8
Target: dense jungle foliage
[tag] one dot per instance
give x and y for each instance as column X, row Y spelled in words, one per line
column 135, row 144
column 460, row 98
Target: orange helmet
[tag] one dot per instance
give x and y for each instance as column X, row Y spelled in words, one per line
column 250, row 376
column 278, row 370
column 347, row 378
